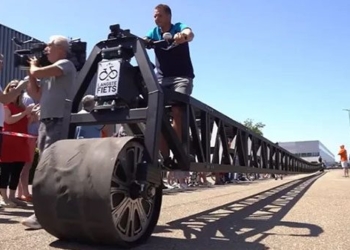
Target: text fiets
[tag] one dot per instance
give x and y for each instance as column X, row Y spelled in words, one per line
column 107, row 78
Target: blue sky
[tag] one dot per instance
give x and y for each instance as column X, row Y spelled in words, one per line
column 284, row 63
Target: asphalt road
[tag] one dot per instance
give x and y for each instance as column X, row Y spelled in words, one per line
column 298, row 212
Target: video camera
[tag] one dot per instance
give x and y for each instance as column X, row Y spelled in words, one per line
column 76, row 54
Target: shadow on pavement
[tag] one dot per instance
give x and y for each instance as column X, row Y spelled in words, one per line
column 7, row 221
column 12, row 217
column 11, row 213
column 229, row 226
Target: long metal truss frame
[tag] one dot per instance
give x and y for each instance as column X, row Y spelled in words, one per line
column 216, row 142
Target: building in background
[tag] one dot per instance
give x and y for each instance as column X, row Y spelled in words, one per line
column 310, row 151
column 7, row 48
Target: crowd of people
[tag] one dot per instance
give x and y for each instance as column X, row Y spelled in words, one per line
column 19, row 115
column 33, row 107
column 31, row 112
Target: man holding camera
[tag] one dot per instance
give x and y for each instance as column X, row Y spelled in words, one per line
column 55, row 87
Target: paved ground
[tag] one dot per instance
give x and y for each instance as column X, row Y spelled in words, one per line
column 299, row 212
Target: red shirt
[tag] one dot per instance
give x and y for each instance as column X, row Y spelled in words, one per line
column 16, row 148
column 20, row 126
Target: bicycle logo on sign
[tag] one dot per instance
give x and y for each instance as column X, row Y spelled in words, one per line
column 110, row 74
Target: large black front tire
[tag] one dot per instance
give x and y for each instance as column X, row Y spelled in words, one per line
column 84, row 191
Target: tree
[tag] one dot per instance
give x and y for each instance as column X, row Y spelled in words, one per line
column 255, row 127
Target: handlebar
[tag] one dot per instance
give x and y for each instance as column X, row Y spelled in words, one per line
column 162, row 44
column 116, row 32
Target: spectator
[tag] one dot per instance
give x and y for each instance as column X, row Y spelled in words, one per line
column 320, row 159
column 16, row 120
column 51, row 94
column 121, row 132
column 23, row 189
column 10, row 96
column 6, row 98
column 344, row 160
column 90, row 131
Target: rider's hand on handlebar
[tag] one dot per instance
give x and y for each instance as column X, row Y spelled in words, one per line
column 180, row 38
column 148, row 42
column 146, row 39
column 165, row 44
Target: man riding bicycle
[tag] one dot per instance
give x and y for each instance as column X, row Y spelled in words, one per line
column 174, row 66
column 174, row 69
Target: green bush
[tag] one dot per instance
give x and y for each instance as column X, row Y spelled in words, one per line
column 32, row 169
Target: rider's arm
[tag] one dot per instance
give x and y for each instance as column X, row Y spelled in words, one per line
column 150, row 35
column 186, row 31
